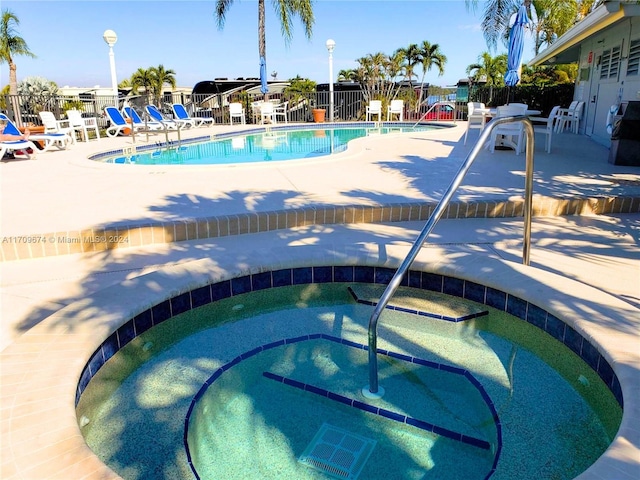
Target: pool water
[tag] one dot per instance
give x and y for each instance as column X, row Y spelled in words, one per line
column 556, row 416
column 273, row 145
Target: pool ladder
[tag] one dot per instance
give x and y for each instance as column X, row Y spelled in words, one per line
column 373, row 390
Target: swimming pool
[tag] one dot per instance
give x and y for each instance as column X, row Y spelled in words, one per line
column 268, row 145
column 143, row 395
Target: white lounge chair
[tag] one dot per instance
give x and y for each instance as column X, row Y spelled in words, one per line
column 396, row 107
column 83, row 124
column 157, row 116
column 181, row 113
column 476, row 117
column 53, row 125
column 374, row 108
column 17, row 146
column 131, row 114
column 117, row 123
column 48, row 140
column 236, row 111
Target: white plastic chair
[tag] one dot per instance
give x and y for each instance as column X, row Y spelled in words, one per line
column 476, row 117
column 374, row 108
column 280, row 110
column 571, row 117
column 236, row 111
column 396, row 107
column 52, row 125
column 267, row 111
column 513, row 132
column 83, row 124
column 548, row 127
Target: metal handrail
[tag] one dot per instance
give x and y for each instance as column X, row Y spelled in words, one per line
column 433, row 219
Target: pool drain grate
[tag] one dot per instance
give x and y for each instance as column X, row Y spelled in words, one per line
column 337, row 452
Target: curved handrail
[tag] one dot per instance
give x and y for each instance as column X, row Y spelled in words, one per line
column 433, row 219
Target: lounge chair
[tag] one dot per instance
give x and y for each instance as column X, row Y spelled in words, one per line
column 52, row 125
column 181, row 113
column 83, row 124
column 17, row 146
column 49, row 140
column 157, row 116
column 374, row 108
column 136, row 121
column 118, row 124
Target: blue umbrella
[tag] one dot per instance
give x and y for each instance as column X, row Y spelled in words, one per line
column 516, row 45
column 264, row 88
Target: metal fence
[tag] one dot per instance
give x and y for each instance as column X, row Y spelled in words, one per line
column 348, row 105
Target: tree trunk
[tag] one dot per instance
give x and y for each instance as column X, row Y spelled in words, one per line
column 13, row 80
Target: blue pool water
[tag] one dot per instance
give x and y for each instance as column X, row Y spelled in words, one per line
column 246, row 387
column 268, row 146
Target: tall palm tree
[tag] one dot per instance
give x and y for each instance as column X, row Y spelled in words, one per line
column 285, row 9
column 11, row 44
column 159, row 78
column 411, row 59
column 430, row 56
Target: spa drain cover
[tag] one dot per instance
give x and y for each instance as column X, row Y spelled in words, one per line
column 338, row 453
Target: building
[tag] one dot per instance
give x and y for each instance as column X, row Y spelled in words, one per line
column 606, row 46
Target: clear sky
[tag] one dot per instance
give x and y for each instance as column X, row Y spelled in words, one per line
column 183, row 36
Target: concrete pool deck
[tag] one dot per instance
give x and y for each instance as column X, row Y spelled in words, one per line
column 43, row 298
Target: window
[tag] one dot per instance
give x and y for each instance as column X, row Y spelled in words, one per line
column 610, row 63
column 633, row 65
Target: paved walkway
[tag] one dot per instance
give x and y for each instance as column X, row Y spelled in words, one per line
column 62, row 191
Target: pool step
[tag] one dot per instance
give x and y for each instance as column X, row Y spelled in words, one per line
column 420, row 302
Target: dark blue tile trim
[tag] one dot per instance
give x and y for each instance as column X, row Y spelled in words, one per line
column 533, row 314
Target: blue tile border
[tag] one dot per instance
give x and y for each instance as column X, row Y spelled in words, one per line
column 361, row 405
column 533, row 314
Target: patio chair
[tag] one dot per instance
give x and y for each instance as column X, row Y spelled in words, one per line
column 280, row 110
column 374, row 108
column 156, row 116
column 47, row 140
column 267, row 111
column 476, row 117
column 570, row 117
column 236, row 111
column 396, row 107
column 547, row 127
column 118, row 124
column 83, row 124
column 181, row 113
column 52, row 125
column 131, row 114
column 513, row 133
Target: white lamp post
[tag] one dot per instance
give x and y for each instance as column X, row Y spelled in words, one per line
column 111, row 38
column 330, row 46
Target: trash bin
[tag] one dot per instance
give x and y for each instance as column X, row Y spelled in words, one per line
column 318, row 115
column 625, row 138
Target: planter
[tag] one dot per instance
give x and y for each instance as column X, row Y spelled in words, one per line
column 318, row 115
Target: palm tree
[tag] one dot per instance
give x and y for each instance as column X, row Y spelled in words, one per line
column 411, row 56
column 491, row 68
column 142, row 78
column 347, row 75
column 11, row 44
column 429, row 56
column 286, row 10
column 160, row 77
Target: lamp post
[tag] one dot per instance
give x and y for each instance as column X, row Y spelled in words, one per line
column 111, row 38
column 330, row 46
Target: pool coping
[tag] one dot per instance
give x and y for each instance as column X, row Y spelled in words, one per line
column 42, row 368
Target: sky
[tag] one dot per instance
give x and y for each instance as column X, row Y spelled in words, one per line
column 183, row 35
